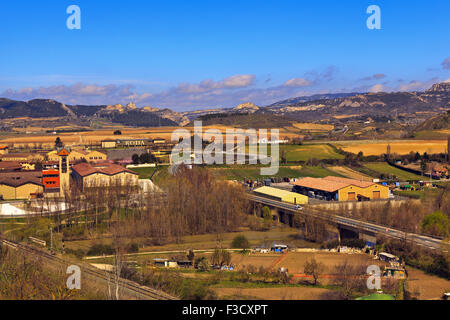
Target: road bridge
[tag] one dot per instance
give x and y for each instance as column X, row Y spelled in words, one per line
column 362, row 229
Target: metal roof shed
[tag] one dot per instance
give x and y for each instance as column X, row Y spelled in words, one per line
column 282, row 195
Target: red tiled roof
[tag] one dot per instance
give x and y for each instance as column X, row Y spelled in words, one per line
column 10, row 165
column 358, row 183
column 320, row 184
column 331, row 184
column 17, row 179
column 85, row 169
column 63, row 152
column 17, row 155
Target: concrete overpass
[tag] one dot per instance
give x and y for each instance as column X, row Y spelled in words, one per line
column 364, row 230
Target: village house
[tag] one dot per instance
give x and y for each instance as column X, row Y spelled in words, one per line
column 20, row 185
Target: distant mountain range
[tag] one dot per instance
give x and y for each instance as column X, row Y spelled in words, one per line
column 128, row 115
column 297, row 100
column 394, row 105
column 321, row 107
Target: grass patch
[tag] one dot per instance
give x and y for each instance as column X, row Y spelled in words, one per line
column 409, row 194
column 385, row 168
column 241, row 173
column 305, row 152
column 309, row 151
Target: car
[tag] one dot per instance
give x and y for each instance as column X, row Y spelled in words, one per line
column 298, row 207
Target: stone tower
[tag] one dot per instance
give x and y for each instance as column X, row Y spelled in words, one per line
column 64, row 171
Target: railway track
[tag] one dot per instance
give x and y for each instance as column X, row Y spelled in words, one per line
column 134, row 289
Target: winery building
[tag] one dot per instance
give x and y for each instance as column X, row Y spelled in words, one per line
column 340, row 189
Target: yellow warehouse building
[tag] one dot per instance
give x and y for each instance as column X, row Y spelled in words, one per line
column 282, row 195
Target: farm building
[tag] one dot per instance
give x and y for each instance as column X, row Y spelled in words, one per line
column 74, row 156
column 132, row 143
column 282, row 195
column 88, row 175
column 340, row 189
column 107, row 144
column 79, row 155
column 23, row 157
column 96, row 156
column 20, row 185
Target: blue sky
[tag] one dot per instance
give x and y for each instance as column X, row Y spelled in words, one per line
column 198, row 54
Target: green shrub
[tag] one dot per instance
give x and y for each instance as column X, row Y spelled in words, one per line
column 79, row 253
column 100, row 249
column 351, row 243
column 436, row 224
column 266, row 214
column 240, row 242
column 132, row 247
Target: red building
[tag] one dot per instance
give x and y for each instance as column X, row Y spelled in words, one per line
column 50, row 180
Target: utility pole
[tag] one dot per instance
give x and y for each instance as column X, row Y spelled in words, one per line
column 51, row 239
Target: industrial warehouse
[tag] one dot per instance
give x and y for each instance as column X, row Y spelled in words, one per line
column 340, row 189
column 282, row 195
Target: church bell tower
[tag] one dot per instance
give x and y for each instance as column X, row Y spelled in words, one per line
column 64, row 171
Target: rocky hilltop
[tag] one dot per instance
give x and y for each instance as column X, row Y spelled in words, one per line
column 443, row 87
column 410, row 107
column 247, row 107
column 381, row 104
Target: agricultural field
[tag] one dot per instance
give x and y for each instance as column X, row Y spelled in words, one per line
column 385, row 168
column 254, row 173
column 210, row 241
column 432, row 134
column 350, row 173
column 305, row 152
column 281, row 293
column 428, row 286
column 26, row 137
column 313, row 127
column 375, row 148
column 309, row 151
column 243, row 172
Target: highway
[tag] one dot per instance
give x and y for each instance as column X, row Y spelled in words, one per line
column 131, row 288
column 433, row 243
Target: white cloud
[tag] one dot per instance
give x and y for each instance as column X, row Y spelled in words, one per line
column 227, row 92
column 233, row 82
column 379, row 88
column 416, row 85
column 74, row 94
column 297, row 82
column 239, row 81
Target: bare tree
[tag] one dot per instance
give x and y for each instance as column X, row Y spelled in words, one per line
column 349, row 278
column 314, row 268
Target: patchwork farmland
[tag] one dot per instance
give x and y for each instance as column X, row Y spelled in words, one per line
column 376, row 148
